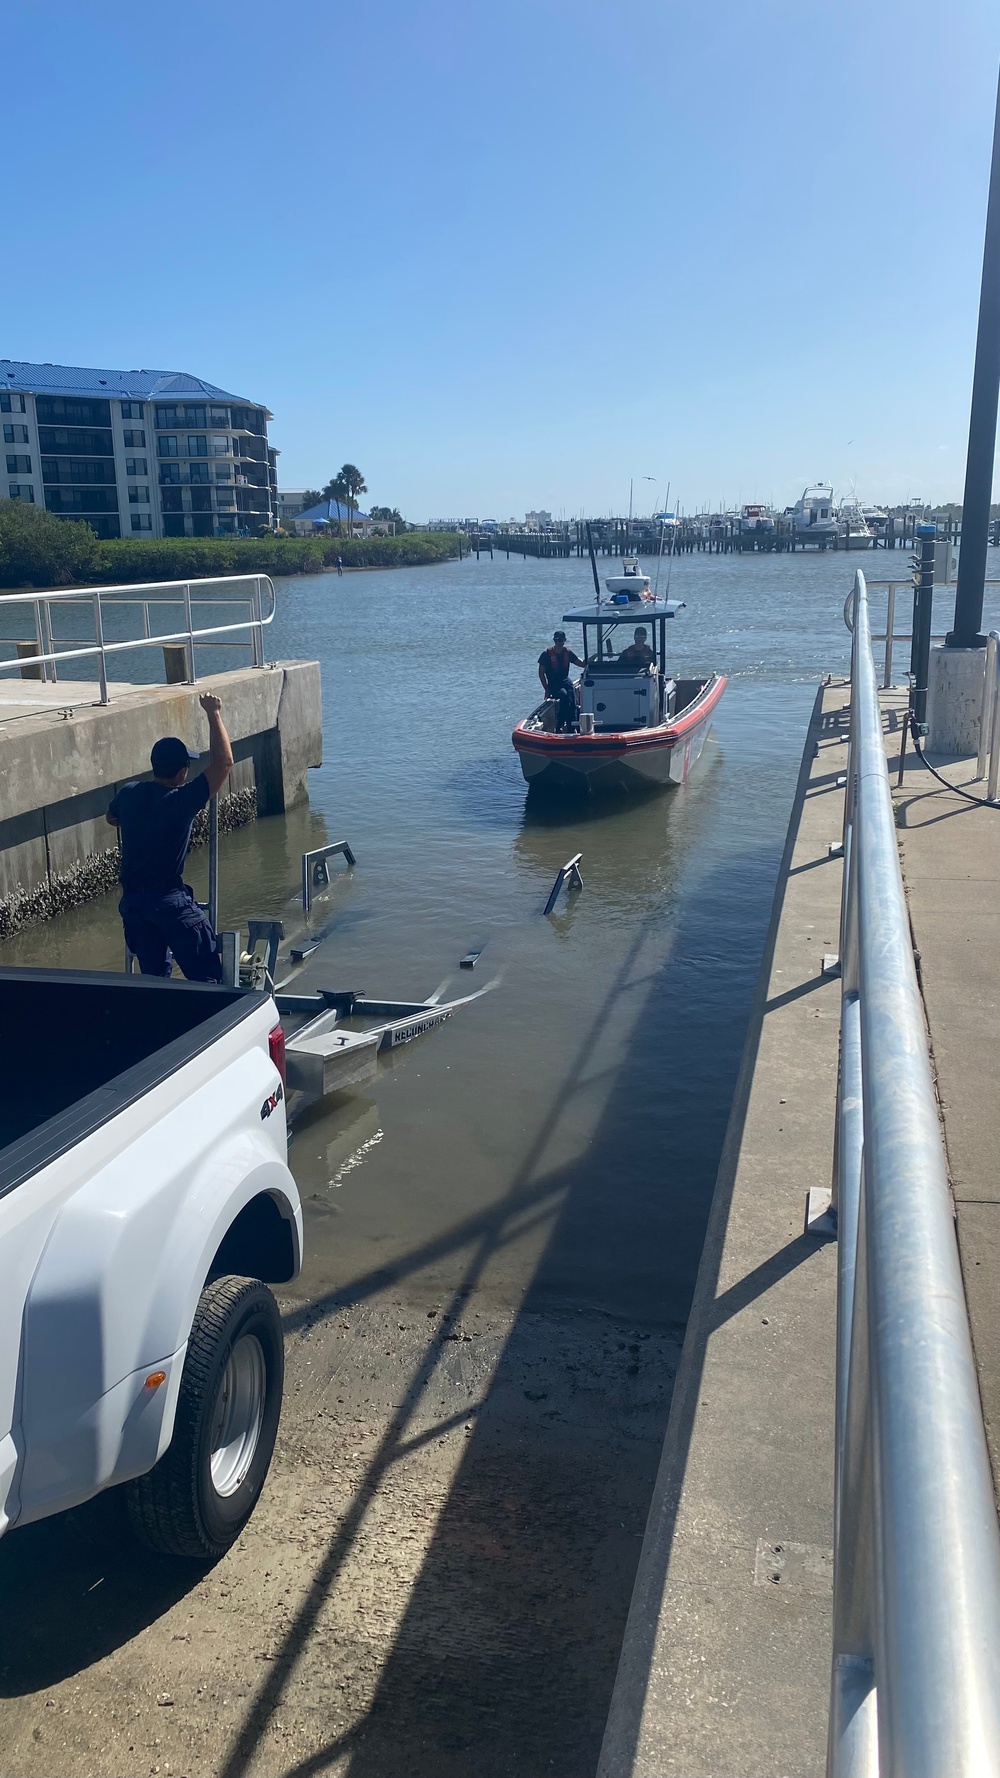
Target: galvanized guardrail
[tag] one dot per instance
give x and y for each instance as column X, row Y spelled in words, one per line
column 915, row 1690
column 253, row 593
column 890, row 635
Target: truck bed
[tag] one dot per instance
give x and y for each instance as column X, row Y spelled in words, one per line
column 80, row 1045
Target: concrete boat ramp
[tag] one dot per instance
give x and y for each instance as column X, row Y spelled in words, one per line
column 392, row 1608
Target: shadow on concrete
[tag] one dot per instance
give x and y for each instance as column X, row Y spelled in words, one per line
column 74, row 1588
column 633, row 1678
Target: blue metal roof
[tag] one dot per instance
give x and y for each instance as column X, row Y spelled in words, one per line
column 328, row 510
column 135, row 385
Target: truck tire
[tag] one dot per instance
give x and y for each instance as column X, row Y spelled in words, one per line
column 201, row 1493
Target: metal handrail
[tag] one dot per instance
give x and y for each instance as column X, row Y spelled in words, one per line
column 890, row 635
column 150, row 593
column 915, row 1685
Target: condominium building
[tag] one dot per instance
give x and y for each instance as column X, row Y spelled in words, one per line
column 146, row 453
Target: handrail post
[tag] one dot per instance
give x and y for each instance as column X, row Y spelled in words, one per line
column 48, row 646
column 890, row 625
column 102, row 664
column 213, row 862
column 256, row 631
column 189, row 645
column 989, row 697
column 991, row 783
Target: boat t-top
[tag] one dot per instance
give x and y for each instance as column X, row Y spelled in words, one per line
column 636, row 725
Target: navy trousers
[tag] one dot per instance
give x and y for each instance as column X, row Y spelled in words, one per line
column 159, row 926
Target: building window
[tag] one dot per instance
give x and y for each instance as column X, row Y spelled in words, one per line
column 141, row 521
column 197, row 445
column 221, row 447
column 138, row 494
column 131, row 410
column 18, row 465
column 218, row 416
column 174, row 527
column 72, row 411
column 18, row 491
column 198, row 472
column 167, row 447
column 133, row 438
column 81, row 500
column 75, row 439
column 170, row 474
column 15, row 435
column 11, row 404
column 169, row 417
column 136, row 466
column 77, row 469
column 171, row 500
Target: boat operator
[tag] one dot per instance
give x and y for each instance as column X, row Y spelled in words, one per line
column 638, row 653
column 553, row 670
column 154, row 818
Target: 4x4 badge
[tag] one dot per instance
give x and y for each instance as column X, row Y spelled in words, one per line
column 270, row 1104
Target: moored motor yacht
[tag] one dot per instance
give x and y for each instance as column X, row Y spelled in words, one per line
column 757, row 519
column 813, row 518
column 636, row 725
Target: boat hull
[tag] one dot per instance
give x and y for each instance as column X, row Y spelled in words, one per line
column 633, row 759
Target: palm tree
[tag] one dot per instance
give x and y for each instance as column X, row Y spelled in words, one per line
column 354, row 485
column 336, row 490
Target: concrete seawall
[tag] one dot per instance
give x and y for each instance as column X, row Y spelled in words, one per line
column 62, row 756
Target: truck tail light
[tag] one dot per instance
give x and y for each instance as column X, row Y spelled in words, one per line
column 276, row 1046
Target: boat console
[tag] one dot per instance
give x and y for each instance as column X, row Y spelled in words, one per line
column 620, row 698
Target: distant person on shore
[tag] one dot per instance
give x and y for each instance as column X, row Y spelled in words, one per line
column 340, row 564
column 638, row 653
column 553, row 670
column 154, row 817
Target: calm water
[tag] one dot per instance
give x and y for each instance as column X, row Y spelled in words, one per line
column 586, row 1096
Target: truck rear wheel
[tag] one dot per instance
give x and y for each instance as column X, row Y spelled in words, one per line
column 201, row 1493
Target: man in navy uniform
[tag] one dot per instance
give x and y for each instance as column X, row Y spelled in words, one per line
column 154, row 818
column 553, row 670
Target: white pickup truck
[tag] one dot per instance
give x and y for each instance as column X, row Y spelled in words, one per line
column 145, row 1205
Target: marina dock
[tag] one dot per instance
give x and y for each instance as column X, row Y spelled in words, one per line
column 720, row 535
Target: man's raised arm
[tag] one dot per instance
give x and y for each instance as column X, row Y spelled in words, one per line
column 220, row 751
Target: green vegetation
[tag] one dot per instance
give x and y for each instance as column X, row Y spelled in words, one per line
column 196, row 558
column 37, row 549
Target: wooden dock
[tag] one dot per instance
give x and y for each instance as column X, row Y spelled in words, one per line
column 715, row 536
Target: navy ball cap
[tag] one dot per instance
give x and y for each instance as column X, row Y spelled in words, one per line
column 169, row 756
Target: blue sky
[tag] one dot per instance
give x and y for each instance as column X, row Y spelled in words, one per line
column 510, row 255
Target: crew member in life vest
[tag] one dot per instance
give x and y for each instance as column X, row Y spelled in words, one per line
column 553, row 670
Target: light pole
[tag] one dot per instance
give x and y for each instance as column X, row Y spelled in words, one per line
column 982, row 428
